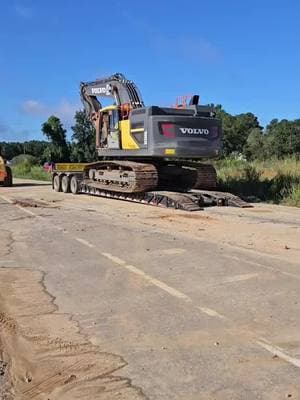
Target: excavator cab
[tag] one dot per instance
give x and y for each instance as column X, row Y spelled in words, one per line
column 110, row 135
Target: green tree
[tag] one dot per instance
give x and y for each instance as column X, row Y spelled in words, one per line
column 83, row 138
column 283, row 138
column 255, row 147
column 11, row 149
column 36, row 148
column 244, row 125
column 229, row 136
column 58, row 149
column 236, row 129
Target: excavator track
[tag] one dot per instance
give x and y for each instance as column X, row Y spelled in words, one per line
column 138, row 177
column 181, row 176
column 121, row 176
column 206, row 177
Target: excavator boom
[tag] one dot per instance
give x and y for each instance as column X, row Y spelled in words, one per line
column 116, row 86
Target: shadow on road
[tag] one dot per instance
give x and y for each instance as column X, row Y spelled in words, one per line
column 22, row 184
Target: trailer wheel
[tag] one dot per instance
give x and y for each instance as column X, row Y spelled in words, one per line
column 65, row 184
column 74, row 185
column 8, row 181
column 57, row 183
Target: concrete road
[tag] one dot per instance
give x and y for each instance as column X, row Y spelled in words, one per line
column 201, row 305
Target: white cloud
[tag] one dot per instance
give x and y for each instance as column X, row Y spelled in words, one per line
column 34, row 107
column 64, row 110
column 23, row 11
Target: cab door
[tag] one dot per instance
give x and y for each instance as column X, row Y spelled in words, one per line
column 113, row 137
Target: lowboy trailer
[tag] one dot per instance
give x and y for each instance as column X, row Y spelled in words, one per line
column 71, row 178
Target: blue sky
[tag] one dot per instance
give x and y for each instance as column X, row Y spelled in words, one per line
column 242, row 54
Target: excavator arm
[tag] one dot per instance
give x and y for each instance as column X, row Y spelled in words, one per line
column 123, row 91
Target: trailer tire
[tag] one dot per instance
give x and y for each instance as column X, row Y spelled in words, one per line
column 57, row 183
column 65, row 184
column 8, row 181
column 74, row 186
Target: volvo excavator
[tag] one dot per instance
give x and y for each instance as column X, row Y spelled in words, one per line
column 148, row 154
column 145, row 147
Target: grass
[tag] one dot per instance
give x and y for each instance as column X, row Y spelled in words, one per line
column 276, row 181
column 293, row 197
column 28, row 171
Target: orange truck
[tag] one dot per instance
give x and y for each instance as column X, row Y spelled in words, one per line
column 5, row 173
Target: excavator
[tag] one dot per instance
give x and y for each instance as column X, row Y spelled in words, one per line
column 146, row 147
column 149, row 154
column 5, row 173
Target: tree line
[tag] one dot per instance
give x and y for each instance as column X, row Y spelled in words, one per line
column 57, row 148
column 243, row 137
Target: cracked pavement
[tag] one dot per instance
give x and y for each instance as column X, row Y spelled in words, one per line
column 157, row 304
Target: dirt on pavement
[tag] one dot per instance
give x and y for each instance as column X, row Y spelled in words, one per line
column 244, row 229
column 48, row 357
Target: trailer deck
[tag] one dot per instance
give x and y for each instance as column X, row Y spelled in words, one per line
column 192, row 200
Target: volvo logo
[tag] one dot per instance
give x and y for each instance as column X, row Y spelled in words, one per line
column 102, row 90
column 194, row 131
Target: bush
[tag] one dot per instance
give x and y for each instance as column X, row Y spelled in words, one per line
column 293, row 197
column 28, row 171
column 24, row 158
column 274, row 180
